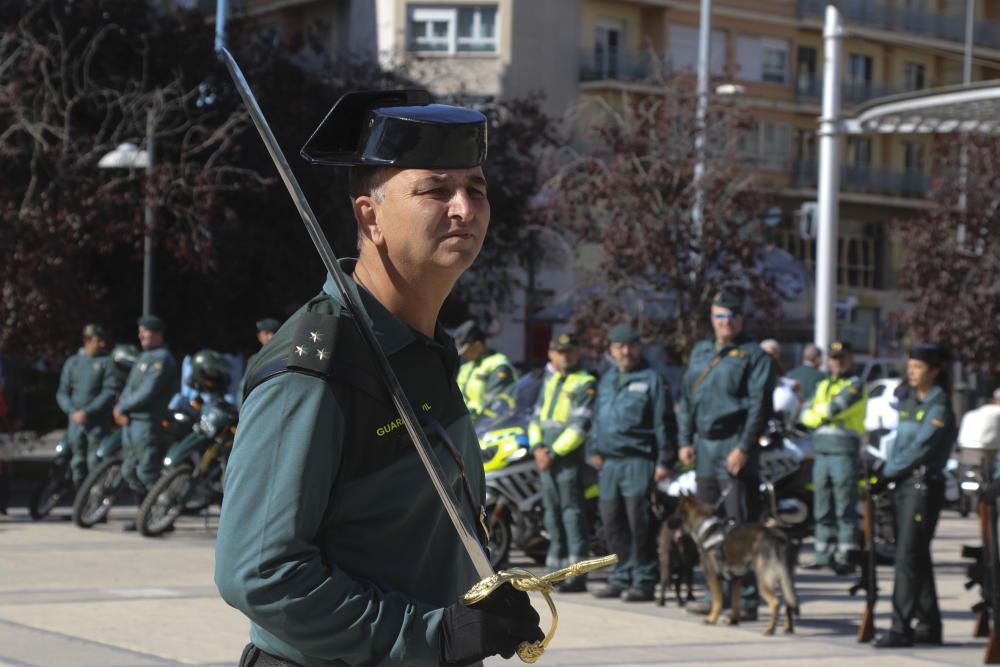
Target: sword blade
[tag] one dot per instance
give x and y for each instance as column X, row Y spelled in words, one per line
column 469, row 540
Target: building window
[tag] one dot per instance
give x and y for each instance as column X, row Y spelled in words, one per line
column 684, row 50
column 913, row 157
column 859, row 152
column 859, row 76
column 765, row 146
column 608, row 44
column 762, row 59
column 807, row 83
column 443, row 29
column 913, row 76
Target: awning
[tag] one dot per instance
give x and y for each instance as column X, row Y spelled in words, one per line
column 960, row 108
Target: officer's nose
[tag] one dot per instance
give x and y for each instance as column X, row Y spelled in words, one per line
column 460, row 205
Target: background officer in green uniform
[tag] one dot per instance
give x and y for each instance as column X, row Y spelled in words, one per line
column 836, row 415
column 556, row 434
column 143, row 405
column 808, row 374
column 924, row 440
column 266, row 329
column 633, row 444
column 332, row 539
column 487, row 376
column 87, row 389
column 728, row 388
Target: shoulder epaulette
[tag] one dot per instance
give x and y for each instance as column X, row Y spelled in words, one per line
column 312, row 344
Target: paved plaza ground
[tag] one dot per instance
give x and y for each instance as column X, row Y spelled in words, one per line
column 103, row 598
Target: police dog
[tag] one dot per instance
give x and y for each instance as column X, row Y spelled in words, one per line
column 676, row 551
column 732, row 552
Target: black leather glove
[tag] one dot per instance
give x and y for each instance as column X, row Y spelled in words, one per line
column 497, row 625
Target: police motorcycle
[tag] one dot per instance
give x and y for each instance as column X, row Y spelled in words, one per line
column 102, row 486
column 55, row 486
column 193, row 468
column 514, row 508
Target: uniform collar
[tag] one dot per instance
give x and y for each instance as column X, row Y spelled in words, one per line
column 740, row 339
column 392, row 333
column 931, row 394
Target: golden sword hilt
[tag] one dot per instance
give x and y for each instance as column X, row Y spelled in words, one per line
column 523, row 580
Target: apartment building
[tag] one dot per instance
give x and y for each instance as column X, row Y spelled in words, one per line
column 772, row 49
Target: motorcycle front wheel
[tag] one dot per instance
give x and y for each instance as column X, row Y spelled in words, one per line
column 500, row 538
column 50, row 490
column 97, row 493
column 165, row 501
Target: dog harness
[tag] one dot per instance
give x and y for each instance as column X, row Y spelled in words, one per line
column 710, row 533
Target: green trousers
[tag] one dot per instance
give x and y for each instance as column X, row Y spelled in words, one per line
column 142, row 446
column 914, row 596
column 565, row 521
column 627, row 519
column 83, row 444
column 835, row 499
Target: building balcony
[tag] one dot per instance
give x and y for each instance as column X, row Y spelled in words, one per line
column 866, row 180
column 619, row 66
column 879, row 15
column 810, row 90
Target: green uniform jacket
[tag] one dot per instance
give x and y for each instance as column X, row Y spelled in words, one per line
column 89, row 384
column 731, row 405
column 925, row 435
column 634, row 416
column 563, row 412
column 808, row 377
column 151, row 383
column 332, row 539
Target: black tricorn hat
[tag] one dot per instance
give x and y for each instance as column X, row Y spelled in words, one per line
column 397, row 128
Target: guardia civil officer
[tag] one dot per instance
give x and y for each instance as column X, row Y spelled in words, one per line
column 266, row 329
column 142, row 406
column 836, row 416
column 633, row 444
column 87, row 389
column 332, row 539
column 915, row 467
column 728, row 387
column 487, row 376
column 808, row 373
column 557, row 433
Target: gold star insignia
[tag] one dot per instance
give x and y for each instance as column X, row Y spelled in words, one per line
column 316, row 336
column 300, row 350
column 322, row 354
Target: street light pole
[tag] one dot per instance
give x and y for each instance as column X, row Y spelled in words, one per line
column 828, row 194
column 701, row 130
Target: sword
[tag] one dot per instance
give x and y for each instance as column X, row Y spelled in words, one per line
column 490, row 580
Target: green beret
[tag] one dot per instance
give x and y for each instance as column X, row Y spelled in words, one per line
column 839, row 348
column 95, row 330
column 729, row 301
column 623, row 333
column 565, row 340
column 268, row 324
column 151, row 322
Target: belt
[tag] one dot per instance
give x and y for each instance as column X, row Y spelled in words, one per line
column 255, row 657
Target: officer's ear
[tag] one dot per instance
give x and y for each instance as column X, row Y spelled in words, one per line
column 366, row 215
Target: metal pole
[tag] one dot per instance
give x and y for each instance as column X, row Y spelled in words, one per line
column 221, row 16
column 701, row 130
column 829, row 182
column 147, row 241
column 963, row 159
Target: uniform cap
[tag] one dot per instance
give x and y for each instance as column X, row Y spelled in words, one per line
column 839, row 348
column 268, row 324
column 623, row 333
column 565, row 340
column 729, row 301
column 397, row 128
column 467, row 333
column 152, row 322
column 95, row 330
column 931, row 353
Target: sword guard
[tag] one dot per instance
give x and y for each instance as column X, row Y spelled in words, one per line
column 525, row 581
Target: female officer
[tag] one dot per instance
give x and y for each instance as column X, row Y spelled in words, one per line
column 923, row 442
